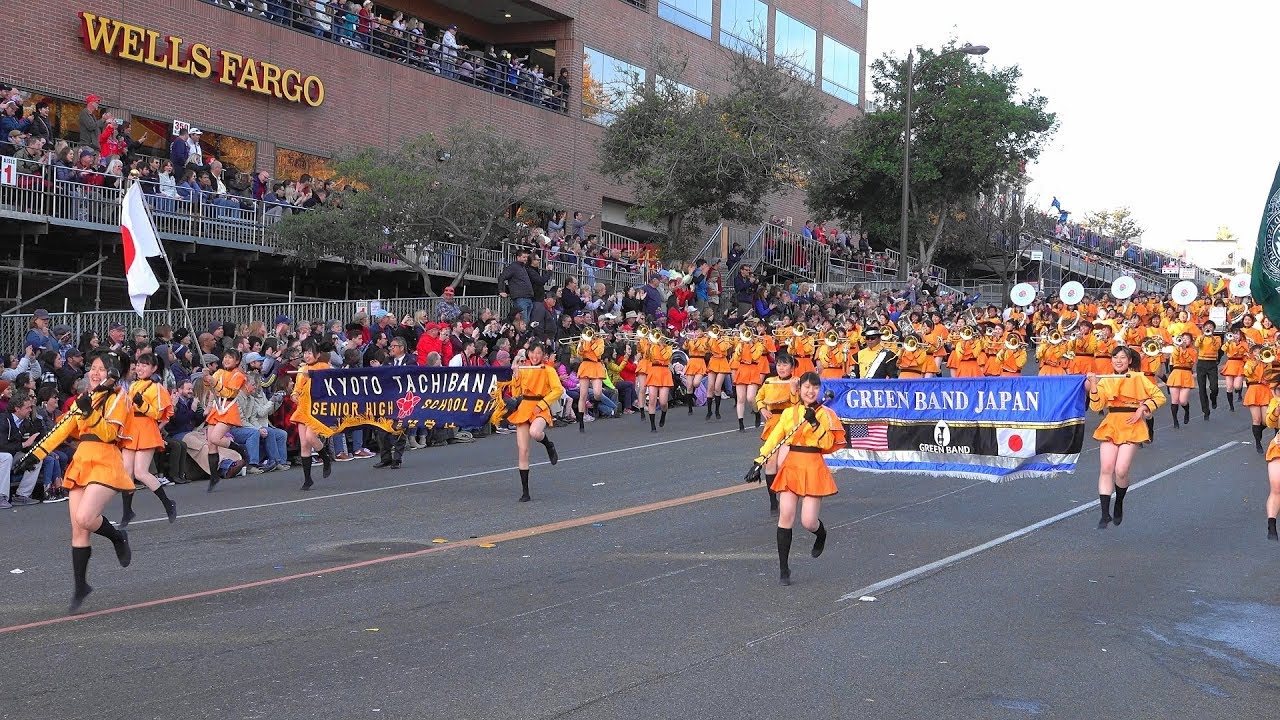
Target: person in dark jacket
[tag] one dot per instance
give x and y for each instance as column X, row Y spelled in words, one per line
column 744, row 290
column 570, row 301
column 514, row 282
column 538, row 277
column 19, row 432
column 179, row 151
column 653, row 297
column 185, row 415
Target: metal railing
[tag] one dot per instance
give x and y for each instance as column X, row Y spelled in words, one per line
column 421, row 49
column 13, row 328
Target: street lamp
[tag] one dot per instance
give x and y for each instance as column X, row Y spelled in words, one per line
column 966, row 49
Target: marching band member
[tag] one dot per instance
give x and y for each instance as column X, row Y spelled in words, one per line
column 1272, row 380
column 660, row 380
column 968, row 358
column 867, row 355
column 831, row 357
column 914, row 362
column 699, row 352
column 97, row 470
column 1012, row 359
column 1083, row 346
column 992, row 343
column 1257, row 396
column 1208, row 351
column 801, row 348
column 224, row 386
column 1236, row 350
column 1103, row 348
column 1049, row 354
column 775, row 396
column 747, row 378
column 645, row 339
column 718, row 368
column 1180, row 380
column 770, row 349
column 590, row 372
column 1128, row 401
column 150, row 408
column 315, row 357
column 809, row 431
column 534, row 387
column 936, row 340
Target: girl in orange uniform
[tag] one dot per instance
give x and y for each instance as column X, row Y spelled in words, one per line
column 151, row 408
column 1273, row 455
column 803, row 477
column 1104, row 348
column 718, row 368
column 775, row 396
column 660, row 379
column 968, row 359
column 224, row 387
column 1180, row 380
column 747, row 378
column 1083, row 347
column 1257, row 395
column 590, row 373
column 801, row 348
column 915, row 363
column 1012, row 361
column 1128, row 400
column 534, row 387
column 314, row 359
column 1049, row 356
column 695, row 371
column 1236, row 350
column 96, row 471
column 831, row 357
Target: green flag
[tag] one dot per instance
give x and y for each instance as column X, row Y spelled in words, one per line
column 1265, row 283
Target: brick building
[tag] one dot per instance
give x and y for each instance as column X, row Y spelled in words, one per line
column 279, row 85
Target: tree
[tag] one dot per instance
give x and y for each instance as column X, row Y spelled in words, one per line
column 973, row 129
column 994, row 230
column 1117, row 223
column 465, row 189
column 694, row 158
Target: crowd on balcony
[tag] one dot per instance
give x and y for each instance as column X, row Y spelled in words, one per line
column 391, row 34
column 1098, row 248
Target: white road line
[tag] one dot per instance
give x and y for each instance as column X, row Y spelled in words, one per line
column 899, row 580
column 416, row 483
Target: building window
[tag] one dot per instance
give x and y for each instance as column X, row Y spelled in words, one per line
column 744, row 25
column 692, row 15
column 841, row 70
column 795, row 45
column 606, row 85
column 691, row 94
column 235, row 154
column 856, row 2
column 291, row 165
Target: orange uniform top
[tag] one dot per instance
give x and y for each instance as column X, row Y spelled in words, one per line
column 776, row 395
column 1130, row 391
column 1183, row 358
column 749, row 353
column 538, row 383
column 1208, row 347
column 591, row 350
column 698, row 347
column 104, row 422
column 300, row 386
column 227, row 383
column 914, row 361
column 1012, row 361
column 1236, row 350
column 826, row 437
column 802, row 346
column 157, row 404
column 832, row 358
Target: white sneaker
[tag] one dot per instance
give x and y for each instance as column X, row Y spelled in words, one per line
column 163, row 480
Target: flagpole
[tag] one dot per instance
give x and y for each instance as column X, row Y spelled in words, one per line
column 173, row 279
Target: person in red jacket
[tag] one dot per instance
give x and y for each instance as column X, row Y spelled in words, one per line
column 429, row 343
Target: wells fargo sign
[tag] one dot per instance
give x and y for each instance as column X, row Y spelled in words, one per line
column 132, row 42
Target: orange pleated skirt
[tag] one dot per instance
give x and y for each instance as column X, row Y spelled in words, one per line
column 660, row 377
column 1180, row 378
column 1233, row 367
column 1257, row 395
column 97, row 463
column 804, row 474
column 769, row 424
column 1114, row 429
column 803, row 365
column 696, row 366
column 719, row 365
column 967, row 369
column 1273, row 451
column 642, row 367
column 141, row 433
column 229, row 416
column 590, row 370
column 748, row 375
column 1052, row 370
column 832, row 373
column 528, row 411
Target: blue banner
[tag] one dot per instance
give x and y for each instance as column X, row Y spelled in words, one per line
column 402, row 398
column 995, row 429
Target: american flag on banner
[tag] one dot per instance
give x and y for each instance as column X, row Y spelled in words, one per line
column 867, row 436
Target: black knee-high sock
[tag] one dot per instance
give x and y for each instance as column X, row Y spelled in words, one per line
column 164, row 497
column 109, row 531
column 215, row 472
column 1105, row 501
column 524, row 482
column 306, row 471
column 662, row 419
column 773, row 496
column 757, row 419
column 1271, row 527
column 1173, row 410
column 1151, row 428
column 1119, row 511
column 1231, row 401
column 784, row 551
column 1186, row 413
column 127, row 500
column 80, row 567
column 1257, row 435
column 820, row 540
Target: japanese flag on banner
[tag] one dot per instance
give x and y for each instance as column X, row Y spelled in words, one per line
column 1016, row 442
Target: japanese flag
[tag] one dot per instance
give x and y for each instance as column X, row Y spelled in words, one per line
column 140, row 243
column 1016, row 442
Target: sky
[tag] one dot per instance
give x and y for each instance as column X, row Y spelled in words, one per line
column 1168, row 108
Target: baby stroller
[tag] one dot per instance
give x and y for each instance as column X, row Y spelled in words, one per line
column 679, row 395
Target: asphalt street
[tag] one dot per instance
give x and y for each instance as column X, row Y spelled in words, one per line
column 641, row 582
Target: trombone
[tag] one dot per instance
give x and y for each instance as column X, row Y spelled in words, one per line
column 1152, row 347
column 1013, row 343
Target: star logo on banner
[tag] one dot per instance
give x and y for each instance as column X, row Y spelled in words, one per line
column 406, row 405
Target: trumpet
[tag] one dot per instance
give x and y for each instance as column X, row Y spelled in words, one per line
column 832, row 338
column 1178, row 341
